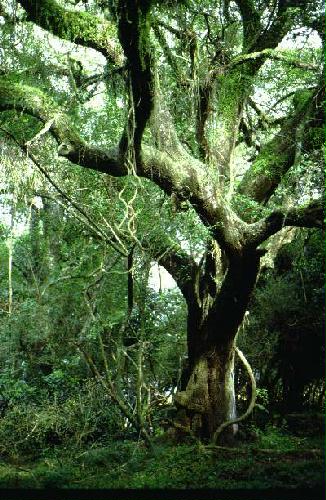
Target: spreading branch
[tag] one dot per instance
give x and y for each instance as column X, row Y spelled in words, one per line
column 81, row 28
column 276, row 55
column 278, row 155
column 179, row 173
column 310, row 215
column 183, row 175
column 34, row 102
column 281, row 20
column 86, row 219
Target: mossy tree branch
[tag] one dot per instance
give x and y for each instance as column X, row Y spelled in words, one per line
column 82, row 28
column 31, row 101
column 256, row 38
column 258, row 44
column 182, row 175
column 85, row 218
column 311, row 215
column 271, row 54
column 276, row 158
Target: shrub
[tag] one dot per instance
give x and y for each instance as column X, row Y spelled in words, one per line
column 31, row 429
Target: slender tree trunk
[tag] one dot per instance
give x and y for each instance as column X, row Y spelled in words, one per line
column 10, row 244
column 10, row 255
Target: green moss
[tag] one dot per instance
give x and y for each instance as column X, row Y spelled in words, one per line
column 270, row 162
column 14, row 94
column 314, row 138
column 144, row 43
column 79, row 27
column 301, row 99
column 248, row 209
column 231, row 90
column 130, row 465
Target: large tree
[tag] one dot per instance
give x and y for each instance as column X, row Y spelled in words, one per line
column 200, row 81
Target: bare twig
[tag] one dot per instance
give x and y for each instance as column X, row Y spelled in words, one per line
column 31, row 156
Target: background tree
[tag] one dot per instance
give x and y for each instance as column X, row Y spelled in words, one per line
column 287, row 314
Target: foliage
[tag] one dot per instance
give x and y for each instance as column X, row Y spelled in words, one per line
column 29, row 429
column 287, row 315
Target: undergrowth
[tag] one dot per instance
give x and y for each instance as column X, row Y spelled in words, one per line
column 275, row 460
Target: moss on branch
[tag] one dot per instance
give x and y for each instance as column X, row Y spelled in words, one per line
column 32, row 101
column 79, row 27
column 14, row 95
column 276, row 158
column 310, row 215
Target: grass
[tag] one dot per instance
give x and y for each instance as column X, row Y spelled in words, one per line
column 276, row 460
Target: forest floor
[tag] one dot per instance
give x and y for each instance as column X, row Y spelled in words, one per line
column 274, row 460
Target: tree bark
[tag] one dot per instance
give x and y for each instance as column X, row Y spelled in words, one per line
column 208, row 398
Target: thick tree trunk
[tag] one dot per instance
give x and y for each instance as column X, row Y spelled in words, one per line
column 208, row 398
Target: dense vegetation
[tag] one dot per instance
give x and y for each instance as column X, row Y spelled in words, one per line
column 161, row 252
